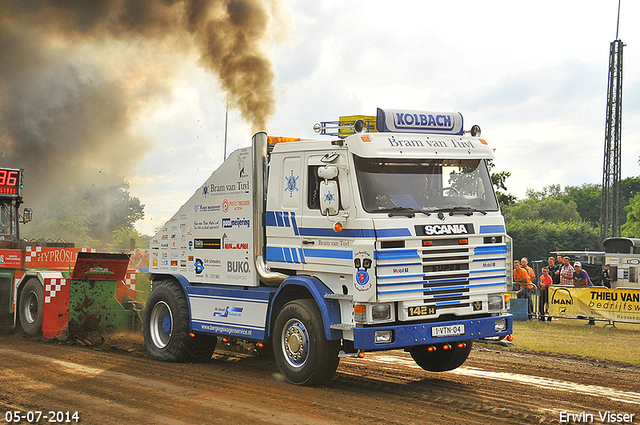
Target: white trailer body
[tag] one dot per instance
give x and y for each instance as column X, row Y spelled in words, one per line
column 210, row 239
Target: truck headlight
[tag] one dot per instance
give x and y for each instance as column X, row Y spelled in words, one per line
column 495, row 302
column 381, row 311
column 500, row 325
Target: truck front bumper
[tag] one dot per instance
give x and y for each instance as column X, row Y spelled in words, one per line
column 408, row 335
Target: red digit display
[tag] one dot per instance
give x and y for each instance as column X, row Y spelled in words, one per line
column 10, row 182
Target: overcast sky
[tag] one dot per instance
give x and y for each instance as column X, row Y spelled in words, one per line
column 533, row 75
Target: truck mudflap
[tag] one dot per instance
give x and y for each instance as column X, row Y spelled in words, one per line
column 408, row 335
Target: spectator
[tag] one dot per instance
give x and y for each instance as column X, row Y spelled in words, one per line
column 554, row 270
column 581, row 280
column 566, row 272
column 145, row 259
column 524, row 263
column 606, row 276
column 136, row 259
column 543, row 300
column 521, row 277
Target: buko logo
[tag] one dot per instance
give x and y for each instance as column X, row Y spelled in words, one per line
column 238, row 267
column 445, row 229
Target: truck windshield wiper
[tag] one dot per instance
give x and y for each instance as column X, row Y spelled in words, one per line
column 405, row 211
column 456, row 210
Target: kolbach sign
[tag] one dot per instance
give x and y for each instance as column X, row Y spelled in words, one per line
column 619, row 305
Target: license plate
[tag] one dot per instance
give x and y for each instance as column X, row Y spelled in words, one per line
column 449, row 330
column 421, row 310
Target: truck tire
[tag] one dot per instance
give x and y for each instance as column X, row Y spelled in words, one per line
column 302, row 352
column 30, row 308
column 440, row 360
column 167, row 333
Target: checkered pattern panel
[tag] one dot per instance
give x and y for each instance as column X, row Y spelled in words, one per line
column 32, row 252
column 52, row 287
column 130, row 280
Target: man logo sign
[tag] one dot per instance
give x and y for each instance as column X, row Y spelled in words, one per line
column 561, row 300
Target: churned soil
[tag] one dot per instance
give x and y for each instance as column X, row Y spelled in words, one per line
column 111, row 380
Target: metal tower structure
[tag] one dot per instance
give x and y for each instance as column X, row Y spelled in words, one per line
column 611, row 175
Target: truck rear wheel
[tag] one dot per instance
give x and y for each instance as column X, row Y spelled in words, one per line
column 166, row 327
column 302, row 352
column 30, row 308
column 441, row 360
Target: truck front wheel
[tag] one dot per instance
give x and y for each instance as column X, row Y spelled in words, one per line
column 302, row 352
column 30, row 308
column 167, row 333
column 440, row 360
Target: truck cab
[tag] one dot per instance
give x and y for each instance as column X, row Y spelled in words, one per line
column 404, row 228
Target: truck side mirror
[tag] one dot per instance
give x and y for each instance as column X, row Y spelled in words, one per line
column 27, row 215
column 328, row 172
column 329, row 197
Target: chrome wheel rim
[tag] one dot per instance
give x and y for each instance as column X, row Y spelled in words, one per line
column 161, row 324
column 295, row 343
column 30, row 307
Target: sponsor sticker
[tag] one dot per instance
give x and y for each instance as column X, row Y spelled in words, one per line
column 213, row 243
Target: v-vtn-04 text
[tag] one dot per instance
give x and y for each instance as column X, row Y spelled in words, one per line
column 386, row 235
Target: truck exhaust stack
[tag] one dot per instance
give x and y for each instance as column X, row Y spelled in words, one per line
column 259, row 165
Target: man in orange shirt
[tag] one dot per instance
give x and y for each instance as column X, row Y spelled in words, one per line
column 521, row 277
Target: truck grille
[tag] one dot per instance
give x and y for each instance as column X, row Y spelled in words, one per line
column 442, row 273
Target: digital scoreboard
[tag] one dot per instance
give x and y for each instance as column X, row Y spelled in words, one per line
column 10, row 182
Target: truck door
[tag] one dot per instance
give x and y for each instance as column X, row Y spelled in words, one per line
column 325, row 249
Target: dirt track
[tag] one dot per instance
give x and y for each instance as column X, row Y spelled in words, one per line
column 115, row 382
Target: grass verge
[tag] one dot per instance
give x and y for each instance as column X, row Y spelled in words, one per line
column 574, row 337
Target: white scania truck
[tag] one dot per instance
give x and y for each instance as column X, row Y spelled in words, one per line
column 386, row 235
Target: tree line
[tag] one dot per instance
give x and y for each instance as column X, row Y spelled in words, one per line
column 568, row 218
column 103, row 214
column 100, row 215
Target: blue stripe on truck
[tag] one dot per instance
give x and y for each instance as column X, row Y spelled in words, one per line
column 285, row 254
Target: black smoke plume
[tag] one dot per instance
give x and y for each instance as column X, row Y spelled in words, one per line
column 76, row 74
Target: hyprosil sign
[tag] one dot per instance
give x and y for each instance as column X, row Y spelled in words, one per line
column 51, row 257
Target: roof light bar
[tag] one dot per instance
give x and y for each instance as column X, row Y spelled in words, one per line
column 274, row 140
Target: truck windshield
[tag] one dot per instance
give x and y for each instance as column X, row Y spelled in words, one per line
column 5, row 219
column 421, row 185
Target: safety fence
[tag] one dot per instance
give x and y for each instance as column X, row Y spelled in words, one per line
column 525, row 304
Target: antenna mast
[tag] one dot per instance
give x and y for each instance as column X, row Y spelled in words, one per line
column 611, row 175
column 226, row 120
